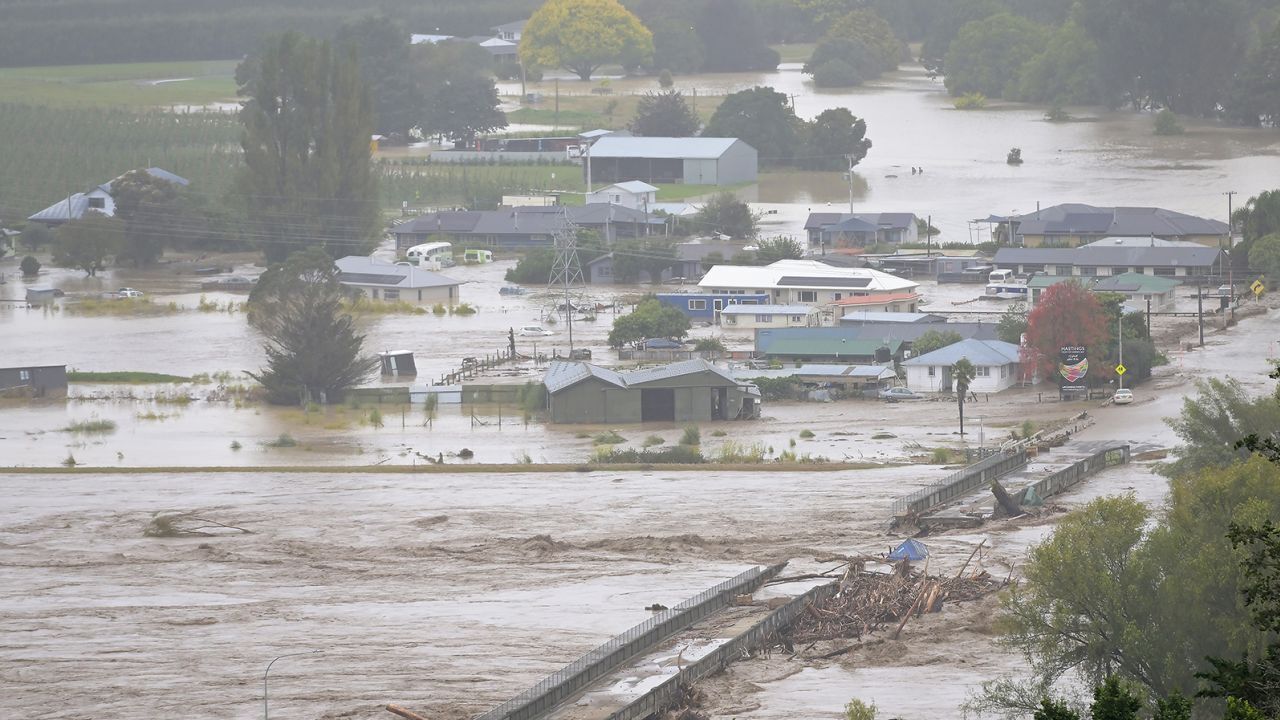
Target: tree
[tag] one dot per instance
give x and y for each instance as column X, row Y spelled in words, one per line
column 962, row 373
column 771, row 250
column 1067, row 315
column 149, row 207
column 1256, row 101
column 1265, row 256
column 866, row 26
column 725, row 214
column 29, row 266
column 1013, row 324
column 582, row 35
column 1114, row 700
column 945, row 23
column 732, row 39
column 934, row 340
column 664, row 114
column 842, row 62
column 313, row 351
column 648, row 256
column 85, row 244
column 1175, row 707
column 462, row 106
column 650, row 319
column 1066, row 72
column 988, row 54
column 36, row 236
column 835, row 140
column 307, row 120
column 1259, row 217
column 761, row 118
column 1053, row 710
column 676, row 46
column 1210, row 423
column 386, row 68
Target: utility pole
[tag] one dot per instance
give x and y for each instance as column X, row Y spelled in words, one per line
column 566, row 270
column 851, row 163
column 1120, row 335
column 556, row 122
column 588, row 154
column 1148, row 318
column 1200, row 308
column 1231, row 265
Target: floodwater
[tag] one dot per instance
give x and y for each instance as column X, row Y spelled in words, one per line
column 1103, row 158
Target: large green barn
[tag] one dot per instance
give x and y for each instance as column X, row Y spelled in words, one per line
column 690, row 391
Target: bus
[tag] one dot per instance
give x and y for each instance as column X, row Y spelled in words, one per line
column 439, row 254
column 477, row 257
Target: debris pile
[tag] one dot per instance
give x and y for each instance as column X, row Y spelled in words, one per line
column 867, row 601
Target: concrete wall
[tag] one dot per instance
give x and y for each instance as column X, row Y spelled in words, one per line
column 960, row 483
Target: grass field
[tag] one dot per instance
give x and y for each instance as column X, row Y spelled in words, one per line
column 588, row 112
column 135, row 85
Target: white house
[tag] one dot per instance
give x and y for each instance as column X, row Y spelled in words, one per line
column 996, row 363
column 634, row 194
column 97, row 199
column 750, row 317
column 395, row 282
column 806, row 282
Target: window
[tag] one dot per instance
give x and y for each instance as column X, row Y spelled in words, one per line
column 808, row 296
column 1120, row 270
column 697, row 304
column 797, row 318
column 1033, row 268
column 1004, row 370
column 1088, row 270
column 932, row 371
column 1165, row 271
column 982, row 371
column 24, row 375
column 419, row 296
column 390, row 294
column 617, row 199
column 764, row 318
column 373, row 293
column 1061, row 269
column 97, row 203
column 837, row 296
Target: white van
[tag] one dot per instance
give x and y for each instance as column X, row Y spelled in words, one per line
column 434, row 253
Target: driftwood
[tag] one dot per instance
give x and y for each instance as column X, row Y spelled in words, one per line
column 866, row 602
column 402, row 712
column 970, row 559
column 1011, row 507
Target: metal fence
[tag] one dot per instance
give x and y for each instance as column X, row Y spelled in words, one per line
column 961, row 482
column 575, row 676
column 666, row 693
column 1066, row 477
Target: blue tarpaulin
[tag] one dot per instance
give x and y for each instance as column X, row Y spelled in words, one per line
column 910, row 549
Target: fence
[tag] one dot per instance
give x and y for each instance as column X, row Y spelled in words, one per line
column 499, row 157
column 960, row 483
column 666, row 693
column 1065, row 478
column 580, row 673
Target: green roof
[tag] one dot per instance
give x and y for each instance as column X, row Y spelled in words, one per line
column 1044, row 281
column 1136, row 282
column 830, row 346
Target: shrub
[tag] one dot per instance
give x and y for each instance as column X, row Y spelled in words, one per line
column 709, row 345
column 375, row 418
column 719, row 433
column 665, row 80
column 1057, row 114
column 464, row 309
column 285, row 440
column 235, row 445
column 69, row 461
column 677, row 454
column 96, row 425
column 806, row 434
column 733, row 451
column 652, row 440
column 609, row 438
column 29, row 266
column 858, row 710
column 970, row 101
column 691, row 436
column 836, row 73
column 941, row 456
column 439, row 309
column 1167, row 123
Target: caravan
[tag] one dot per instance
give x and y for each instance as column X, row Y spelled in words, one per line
column 433, row 256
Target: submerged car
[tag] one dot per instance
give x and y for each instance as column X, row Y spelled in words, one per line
column 534, row 331
column 126, row 292
column 660, row 344
column 1123, row 396
column 898, row 393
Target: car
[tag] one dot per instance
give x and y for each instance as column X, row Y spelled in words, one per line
column 580, row 354
column 660, row 344
column 1123, row 396
column 126, row 292
column 534, row 331
column 894, row 394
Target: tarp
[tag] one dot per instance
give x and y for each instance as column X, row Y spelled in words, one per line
column 910, row 549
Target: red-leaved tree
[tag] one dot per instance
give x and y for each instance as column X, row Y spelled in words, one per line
column 1065, row 315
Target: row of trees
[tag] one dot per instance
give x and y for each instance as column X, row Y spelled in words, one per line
column 1176, row 602
column 763, row 118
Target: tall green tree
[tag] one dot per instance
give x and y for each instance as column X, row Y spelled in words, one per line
column 307, row 123
column 732, row 38
column 1066, row 72
column 582, row 35
column 865, row 25
column 650, row 257
column 151, row 211
column 664, row 114
column 676, row 45
column 1256, row 100
column 725, row 214
column 386, row 68
column 835, row 140
column 934, row 340
column 87, row 243
column 771, row 250
column 987, row 55
column 650, row 319
column 962, row 374
column 314, row 353
column 1211, row 422
column 1114, row 700
column 1265, row 257
column 760, row 117
column 1013, row 324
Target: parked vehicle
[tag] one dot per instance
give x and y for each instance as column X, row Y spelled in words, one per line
column 477, row 257
column 660, row 344
column 438, row 254
column 895, row 394
column 1123, row 396
column 126, row 292
column 580, row 354
column 511, row 290
column 534, row 331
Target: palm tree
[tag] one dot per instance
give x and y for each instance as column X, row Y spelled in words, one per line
column 962, row 374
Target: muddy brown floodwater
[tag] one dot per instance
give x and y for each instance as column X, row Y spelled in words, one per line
column 448, row 593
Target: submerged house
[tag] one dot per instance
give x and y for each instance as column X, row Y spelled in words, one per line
column 394, row 282
column 689, row 391
column 34, row 381
column 98, row 199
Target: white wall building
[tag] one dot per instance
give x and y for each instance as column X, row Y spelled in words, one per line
column 997, row 365
column 803, row 282
column 635, row 194
column 750, row 317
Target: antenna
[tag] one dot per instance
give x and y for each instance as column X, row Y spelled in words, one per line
column 566, row 270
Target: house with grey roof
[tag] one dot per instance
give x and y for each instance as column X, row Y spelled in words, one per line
column 522, row 227
column 1140, row 291
column 1074, row 224
column 751, row 317
column 997, row 366
column 395, row 282
column 909, row 333
column 634, row 194
column 689, row 391
column 689, row 160
column 97, row 199
column 1101, row 259
column 845, row 230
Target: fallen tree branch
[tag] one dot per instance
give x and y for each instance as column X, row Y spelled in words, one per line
column 402, row 712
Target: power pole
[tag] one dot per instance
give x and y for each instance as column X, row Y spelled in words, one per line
column 1231, row 265
column 1120, row 335
column 851, row 162
column 1200, row 308
column 566, row 270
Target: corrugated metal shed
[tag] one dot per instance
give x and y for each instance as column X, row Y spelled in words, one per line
column 701, row 148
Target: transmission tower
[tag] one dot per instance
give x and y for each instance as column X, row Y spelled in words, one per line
column 566, row 271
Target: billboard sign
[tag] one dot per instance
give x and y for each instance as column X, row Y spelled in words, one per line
column 1073, row 366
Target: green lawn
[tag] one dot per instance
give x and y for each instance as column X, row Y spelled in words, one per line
column 124, row 85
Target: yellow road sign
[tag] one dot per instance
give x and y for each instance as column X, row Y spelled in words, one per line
column 1258, row 288
column 1121, row 369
